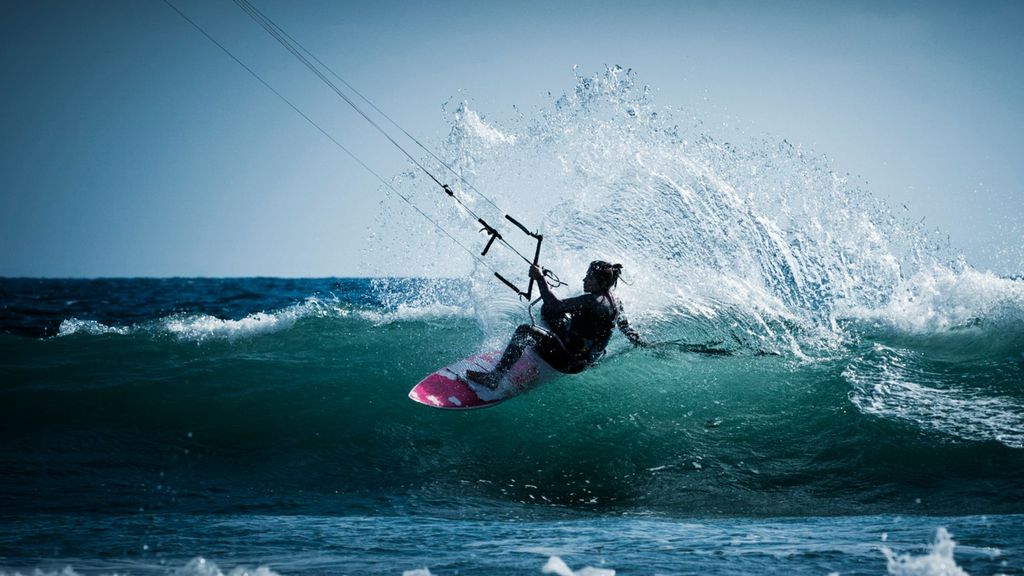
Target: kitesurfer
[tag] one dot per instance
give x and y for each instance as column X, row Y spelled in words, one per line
column 578, row 328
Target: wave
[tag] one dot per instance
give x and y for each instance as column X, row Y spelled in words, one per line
column 744, row 246
column 92, row 327
column 942, row 300
column 200, row 327
column 964, row 401
column 192, row 327
column 320, row 408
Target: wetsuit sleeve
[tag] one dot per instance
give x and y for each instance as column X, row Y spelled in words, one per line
column 628, row 330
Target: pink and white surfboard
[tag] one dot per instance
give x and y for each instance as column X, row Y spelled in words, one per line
column 450, row 389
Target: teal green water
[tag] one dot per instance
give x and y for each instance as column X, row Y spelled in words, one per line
column 278, row 437
column 316, row 405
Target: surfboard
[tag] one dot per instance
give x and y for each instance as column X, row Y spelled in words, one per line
column 449, row 388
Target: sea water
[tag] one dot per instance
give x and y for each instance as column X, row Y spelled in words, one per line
column 261, row 422
column 831, row 390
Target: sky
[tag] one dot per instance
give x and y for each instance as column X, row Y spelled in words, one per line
column 132, row 146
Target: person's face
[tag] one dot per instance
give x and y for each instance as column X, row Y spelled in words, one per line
column 590, row 283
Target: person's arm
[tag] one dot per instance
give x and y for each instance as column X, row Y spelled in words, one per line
column 554, row 303
column 545, row 292
column 628, row 330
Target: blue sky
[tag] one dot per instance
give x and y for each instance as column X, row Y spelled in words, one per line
column 134, row 147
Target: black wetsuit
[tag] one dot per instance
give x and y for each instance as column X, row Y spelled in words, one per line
column 581, row 327
column 578, row 330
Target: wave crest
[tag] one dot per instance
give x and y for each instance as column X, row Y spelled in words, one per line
column 194, row 327
column 912, row 387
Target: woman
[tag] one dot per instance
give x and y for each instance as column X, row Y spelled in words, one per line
column 570, row 344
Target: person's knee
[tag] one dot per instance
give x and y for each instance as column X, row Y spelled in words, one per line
column 522, row 332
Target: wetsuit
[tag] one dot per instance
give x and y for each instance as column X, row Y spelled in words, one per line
column 578, row 331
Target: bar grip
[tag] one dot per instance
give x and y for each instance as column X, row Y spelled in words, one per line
column 536, row 261
column 521, row 227
column 507, row 283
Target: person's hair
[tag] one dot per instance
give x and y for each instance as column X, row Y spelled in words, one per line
column 606, row 273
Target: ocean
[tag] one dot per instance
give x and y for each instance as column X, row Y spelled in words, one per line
column 204, row 426
column 832, row 388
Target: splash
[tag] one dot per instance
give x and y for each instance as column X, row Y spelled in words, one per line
column 92, row 327
column 943, row 300
column 557, row 566
column 732, row 245
column 200, row 566
column 937, row 562
column 750, row 244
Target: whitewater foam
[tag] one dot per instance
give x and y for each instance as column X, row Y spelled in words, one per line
column 937, row 562
column 200, row 327
column 92, row 327
column 942, row 299
column 903, row 384
column 192, row 327
column 408, row 313
column 200, row 566
column 557, row 566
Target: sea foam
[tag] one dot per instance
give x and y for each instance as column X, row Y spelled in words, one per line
column 92, row 327
column 193, row 327
column 942, row 299
column 937, row 562
column 557, row 566
column 200, row 566
column 909, row 386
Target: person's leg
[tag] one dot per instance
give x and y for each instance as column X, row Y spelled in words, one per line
column 524, row 336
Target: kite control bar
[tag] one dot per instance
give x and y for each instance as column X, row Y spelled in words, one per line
column 536, row 254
